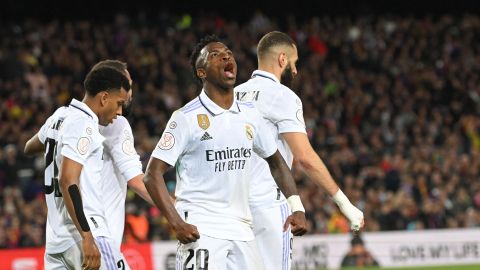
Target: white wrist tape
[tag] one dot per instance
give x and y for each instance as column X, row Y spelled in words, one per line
column 340, row 199
column 295, row 203
column 354, row 215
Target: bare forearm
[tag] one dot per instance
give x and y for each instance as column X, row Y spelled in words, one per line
column 313, row 166
column 74, row 205
column 282, row 175
column 155, row 185
column 34, row 146
column 69, row 180
column 316, row 170
column 139, row 187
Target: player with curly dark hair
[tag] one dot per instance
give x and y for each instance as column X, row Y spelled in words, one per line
column 211, row 141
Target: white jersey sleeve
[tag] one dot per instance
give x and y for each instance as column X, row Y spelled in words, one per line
column 78, row 140
column 43, row 132
column 286, row 111
column 174, row 140
column 119, row 143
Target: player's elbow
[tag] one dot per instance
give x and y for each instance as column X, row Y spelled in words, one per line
column 27, row 150
column 147, row 179
column 64, row 184
column 305, row 161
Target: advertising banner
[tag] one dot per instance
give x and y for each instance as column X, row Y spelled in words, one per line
column 385, row 249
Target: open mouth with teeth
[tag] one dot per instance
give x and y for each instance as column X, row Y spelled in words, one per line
column 228, row 71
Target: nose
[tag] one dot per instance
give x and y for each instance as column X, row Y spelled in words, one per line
column 119, row 110
column 226, row 56
column 294, row 70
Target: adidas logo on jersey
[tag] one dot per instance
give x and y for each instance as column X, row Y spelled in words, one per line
column 205, row 137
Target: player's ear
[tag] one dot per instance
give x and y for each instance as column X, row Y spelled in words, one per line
column 201, row 73
column 282, row 59
column 103, row 97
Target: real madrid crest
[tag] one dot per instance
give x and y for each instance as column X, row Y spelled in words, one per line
column 249, row 132
column 203, row 121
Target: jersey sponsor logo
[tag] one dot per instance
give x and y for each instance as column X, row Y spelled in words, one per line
column 83, row 145
column 89, row 130
column 127, row 147
column 228, row 153
column 300, row 116
column 172, row 125
column 203, row 121
column 249, row 132
column 247, row 96
column 229, row 158
column 205, row 137
column 167, row 141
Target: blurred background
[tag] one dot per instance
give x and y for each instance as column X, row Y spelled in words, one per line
column 391, row 95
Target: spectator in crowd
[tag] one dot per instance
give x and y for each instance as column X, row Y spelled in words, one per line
column 358, row 256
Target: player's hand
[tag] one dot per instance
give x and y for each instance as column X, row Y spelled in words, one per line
column 354, row 215
column 186, row 233
column 91, row 254
column 298, row 222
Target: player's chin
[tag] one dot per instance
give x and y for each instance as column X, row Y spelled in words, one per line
column 230, row 82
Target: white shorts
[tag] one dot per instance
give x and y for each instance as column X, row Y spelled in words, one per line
column 219, row 254
column 275, row 245
column 72, row 258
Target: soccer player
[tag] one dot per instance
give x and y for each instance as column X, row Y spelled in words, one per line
column 211, row 141
column 267, row 89
column 76, row 223
column 121, row 164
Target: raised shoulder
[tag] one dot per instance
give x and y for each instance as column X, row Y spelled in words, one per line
column 287, row 95
column 191, row 106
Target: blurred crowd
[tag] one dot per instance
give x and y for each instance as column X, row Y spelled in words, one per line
column 391, row 105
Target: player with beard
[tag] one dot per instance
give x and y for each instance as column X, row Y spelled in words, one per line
column 211, row 141
column 269, row 90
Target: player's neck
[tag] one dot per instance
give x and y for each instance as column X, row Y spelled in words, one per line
column 269, row 67
column 91, row 103
column 221, row 97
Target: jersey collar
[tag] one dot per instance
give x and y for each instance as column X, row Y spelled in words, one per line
column 213, row 108
column 265, row 74
column 84, row 109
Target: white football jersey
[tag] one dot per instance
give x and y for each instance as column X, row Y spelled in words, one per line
column 212, row 149
column 73, row 132
column 282, row 109
column 121, row 163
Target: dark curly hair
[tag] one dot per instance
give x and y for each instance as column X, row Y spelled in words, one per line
column 105, row 79
column 196, row 52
